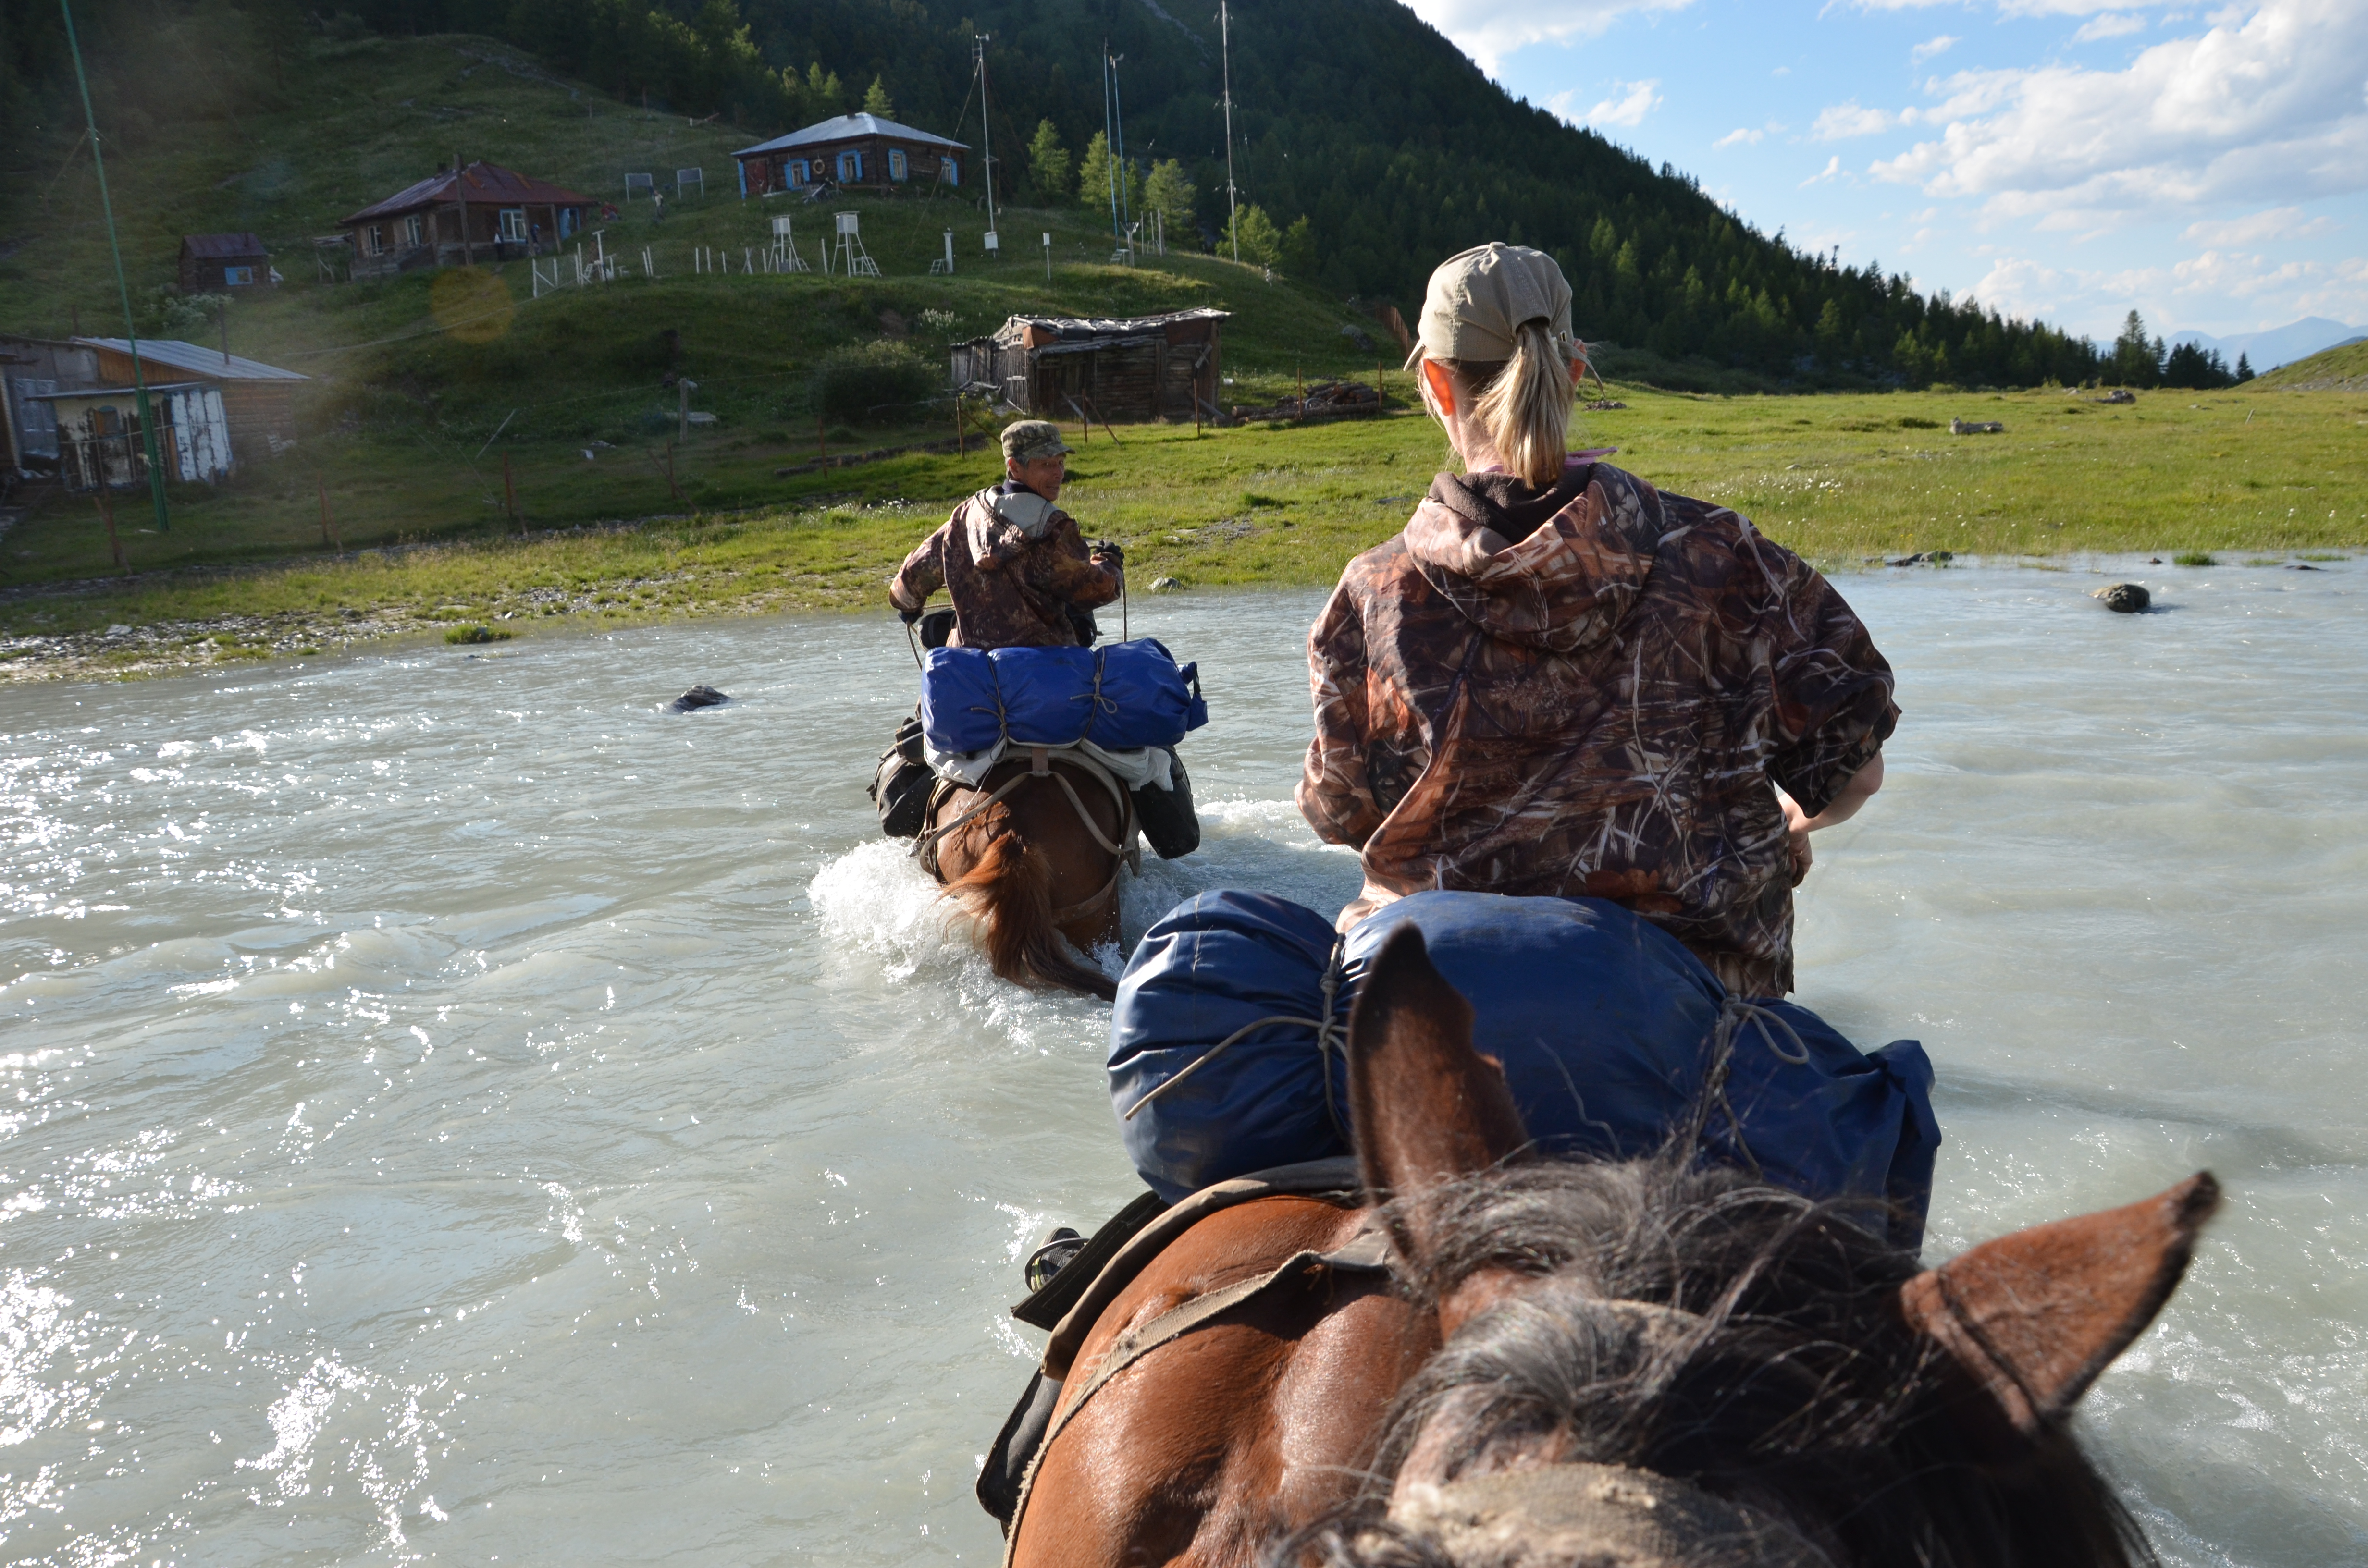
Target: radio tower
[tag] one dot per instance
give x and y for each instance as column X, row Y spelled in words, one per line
column 985, row 139
column 1226, row 38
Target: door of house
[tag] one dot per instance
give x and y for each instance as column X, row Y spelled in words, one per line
column 37, row 423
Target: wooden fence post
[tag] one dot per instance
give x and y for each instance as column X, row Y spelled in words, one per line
column 328, row 524
column 107, row 511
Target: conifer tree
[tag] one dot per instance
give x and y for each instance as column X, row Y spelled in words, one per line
column 1048, row 162
column 1170, row 194
column 1261, row 242
column 2244, row 368
column 877, row 102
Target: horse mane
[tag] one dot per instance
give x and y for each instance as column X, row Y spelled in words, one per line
column 1697, row 1325
column 1010, row 893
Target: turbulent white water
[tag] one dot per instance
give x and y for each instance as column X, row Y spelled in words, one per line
column 463, row 1111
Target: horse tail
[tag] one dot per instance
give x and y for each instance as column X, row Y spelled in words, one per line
column 1010, row 893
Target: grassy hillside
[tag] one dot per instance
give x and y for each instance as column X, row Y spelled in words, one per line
column 2341, row 368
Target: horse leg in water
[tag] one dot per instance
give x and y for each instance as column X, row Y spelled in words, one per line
column 1728, row 1352
column 1019, row 864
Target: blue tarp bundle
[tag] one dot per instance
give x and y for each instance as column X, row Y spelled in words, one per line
column 1603, row 1023
column 1120, row 697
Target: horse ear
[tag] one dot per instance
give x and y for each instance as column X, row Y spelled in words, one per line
column 2033, row 1317
column 1427, row 1108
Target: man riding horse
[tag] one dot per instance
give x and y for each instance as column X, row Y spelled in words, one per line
column 1020, row 574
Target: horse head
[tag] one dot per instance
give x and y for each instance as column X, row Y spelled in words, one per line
column 1649, row 1365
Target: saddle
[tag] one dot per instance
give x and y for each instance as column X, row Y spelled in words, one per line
column 1075, row 1299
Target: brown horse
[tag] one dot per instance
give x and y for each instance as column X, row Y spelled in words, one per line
column 1034, row 854
column 1638, row 1365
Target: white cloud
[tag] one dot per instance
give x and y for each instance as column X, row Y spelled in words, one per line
column 2113, row 24
column 1490, row 29
column 1742, row 136
column 1831, row 171
column 1631, row 102
column 1845, row 121
column 2269, row 108
column 2233, row 290
column 1930, row 47
column 2277, row 223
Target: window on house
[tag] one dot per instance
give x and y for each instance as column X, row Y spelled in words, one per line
column 797, row 174
column 851, row 168
column 236, row 277
column 896, row 163
column 513, row 223
column 374, row 239
column 415, row 229
column 950, row 169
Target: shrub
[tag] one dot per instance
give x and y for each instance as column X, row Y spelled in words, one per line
column 476, row 635
column 2195, row 558
column 874, row 383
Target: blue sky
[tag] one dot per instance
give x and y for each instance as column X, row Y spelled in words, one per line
column 2071, row 159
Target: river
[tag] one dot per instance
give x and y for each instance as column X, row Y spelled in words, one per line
column 457, row 1109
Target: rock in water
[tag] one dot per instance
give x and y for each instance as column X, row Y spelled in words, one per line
column 2127, row 598
column 708, row 696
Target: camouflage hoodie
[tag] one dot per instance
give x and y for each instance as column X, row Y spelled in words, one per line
column 1010, row 560
column 1585, row 691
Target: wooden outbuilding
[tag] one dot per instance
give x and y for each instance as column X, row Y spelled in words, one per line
column 854, row 152
column 460, row 217
column 1064, row 366
column 257, row 400
column 31, row 369
column 209, row 262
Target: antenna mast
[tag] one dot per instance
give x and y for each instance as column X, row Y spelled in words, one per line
column 1226, row 38
column 985, row 137
column 1118, row 161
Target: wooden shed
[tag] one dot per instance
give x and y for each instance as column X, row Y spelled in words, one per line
column 257, row 400
column 458, row 217
column 854, row 152
column 30, row 369
column 209, row 262
column 1140, row 368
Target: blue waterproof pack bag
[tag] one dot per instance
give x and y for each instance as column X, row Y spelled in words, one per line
column 1120, row 696
column 1604, row 1024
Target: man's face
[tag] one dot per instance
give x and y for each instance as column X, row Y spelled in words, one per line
column 1043, row 475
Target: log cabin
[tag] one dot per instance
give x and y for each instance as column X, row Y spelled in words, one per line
column 854, row 152
column 1142, row 367
column 458, row 217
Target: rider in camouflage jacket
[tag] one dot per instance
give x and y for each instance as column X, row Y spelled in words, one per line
column 1013, row 564
column 1586, row 690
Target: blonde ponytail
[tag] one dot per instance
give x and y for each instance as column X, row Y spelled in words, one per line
column 1526, row 408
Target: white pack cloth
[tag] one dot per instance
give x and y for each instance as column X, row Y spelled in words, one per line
column 1143, row 765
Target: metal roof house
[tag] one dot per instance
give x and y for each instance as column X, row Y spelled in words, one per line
column 257, row 400
column 458, row 217
column 223, row 261
column 853, row 151
column 99, row 443
column 1142, row 367
column 31, row 369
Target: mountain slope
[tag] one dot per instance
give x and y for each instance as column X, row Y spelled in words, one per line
column 1353, row 116
column 2343, row 368
column 2274, row 346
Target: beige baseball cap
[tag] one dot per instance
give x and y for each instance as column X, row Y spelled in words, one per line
column 1478, row 300
column 1028, row 440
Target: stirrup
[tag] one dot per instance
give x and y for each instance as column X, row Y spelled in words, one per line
column 1052, row 1255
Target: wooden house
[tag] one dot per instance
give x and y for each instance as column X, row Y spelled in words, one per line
column 30, row 369
column 854, row 152
column 257, row 400
column 458, row 217
column 212, row 262
column 1063, row 367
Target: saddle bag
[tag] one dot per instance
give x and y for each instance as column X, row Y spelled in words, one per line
column 1170, row 824
column 900, row 787
column 1608, row 1030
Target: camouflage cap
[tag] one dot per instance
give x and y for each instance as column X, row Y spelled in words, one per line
column 1029, row 439
column 1479, row 301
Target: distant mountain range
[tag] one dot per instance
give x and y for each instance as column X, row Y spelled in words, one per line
column 2279, row 344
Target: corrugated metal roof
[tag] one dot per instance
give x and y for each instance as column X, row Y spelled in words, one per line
column 844, row 127
column 222, row 247
column 1082, row 329
column 199, row 361
column 110, row 391
column 481, row 185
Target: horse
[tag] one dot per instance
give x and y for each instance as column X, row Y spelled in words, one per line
column 1646, row 1364
column 1033, row 853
